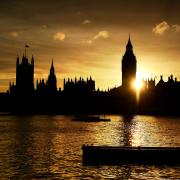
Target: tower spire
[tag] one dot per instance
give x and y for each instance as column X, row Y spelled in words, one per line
column 52, row 68
column 129, row 44
column 52, row 63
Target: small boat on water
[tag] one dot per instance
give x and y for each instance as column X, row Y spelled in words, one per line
column 90, row 119
column 133, row 155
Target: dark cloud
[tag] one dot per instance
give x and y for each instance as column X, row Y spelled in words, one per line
column 72, row 12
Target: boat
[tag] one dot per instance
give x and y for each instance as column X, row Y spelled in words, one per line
column 90, row 119
column 130, row 155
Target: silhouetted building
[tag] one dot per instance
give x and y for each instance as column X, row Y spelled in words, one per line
column 128, row 66
column 79, row 85
column 52, row 81
column 50, row 87
column 41, row 88
column 12, row 88
column 171, row 84
column 24, row 77
column 80, row 95
column 148, row 84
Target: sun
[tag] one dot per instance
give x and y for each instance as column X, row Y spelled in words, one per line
column 138, row 84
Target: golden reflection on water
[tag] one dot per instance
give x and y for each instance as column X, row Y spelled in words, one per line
column 50, row 146
column 153, row 131
column 143, row 131
column 107, row 133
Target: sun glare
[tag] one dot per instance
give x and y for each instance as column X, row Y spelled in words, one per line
column 138, row 84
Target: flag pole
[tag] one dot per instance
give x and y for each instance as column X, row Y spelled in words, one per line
column 26, row 46
column 25, row 51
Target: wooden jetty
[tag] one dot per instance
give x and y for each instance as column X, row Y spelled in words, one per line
column 131, row 155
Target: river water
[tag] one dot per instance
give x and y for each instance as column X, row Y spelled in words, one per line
column 49, row 147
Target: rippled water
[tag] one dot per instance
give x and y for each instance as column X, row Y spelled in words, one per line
column 49, row 147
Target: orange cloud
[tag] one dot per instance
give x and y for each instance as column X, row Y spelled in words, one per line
column 59, row 36
column 160, row 28
column 14, row 34
column 101, row 34
column 87, row 21
column 176, row 27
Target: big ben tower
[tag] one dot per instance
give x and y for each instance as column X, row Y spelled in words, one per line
column 128, row 66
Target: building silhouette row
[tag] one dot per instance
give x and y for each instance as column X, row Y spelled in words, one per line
column 25, row 81
column 25, row 78
column 81, row 95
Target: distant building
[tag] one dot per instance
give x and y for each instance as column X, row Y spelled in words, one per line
column 41, row 88
column 50, row 87
column 149, row 84
column 79, row 85
column 24, row 77
column 52, row 81
column 171, row 84
column 128, row 66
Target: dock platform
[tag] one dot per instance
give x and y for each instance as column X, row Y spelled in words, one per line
column 131, row 155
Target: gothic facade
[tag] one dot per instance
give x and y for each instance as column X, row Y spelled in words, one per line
column 80, row 85
column 24, row 77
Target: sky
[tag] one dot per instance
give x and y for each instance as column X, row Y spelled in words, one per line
column 88, row 38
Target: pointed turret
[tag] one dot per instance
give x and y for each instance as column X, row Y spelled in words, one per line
column 32, row 60
column 37, row 83
column 129, row 46
column 52, row 81
column 52, row 68
column 17, row 60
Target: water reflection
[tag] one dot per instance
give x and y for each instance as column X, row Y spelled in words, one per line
column 50, row 146
column 22, row 141
column 29, row 148
column 127, row 126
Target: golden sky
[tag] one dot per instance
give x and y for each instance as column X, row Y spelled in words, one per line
column 88, row 37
